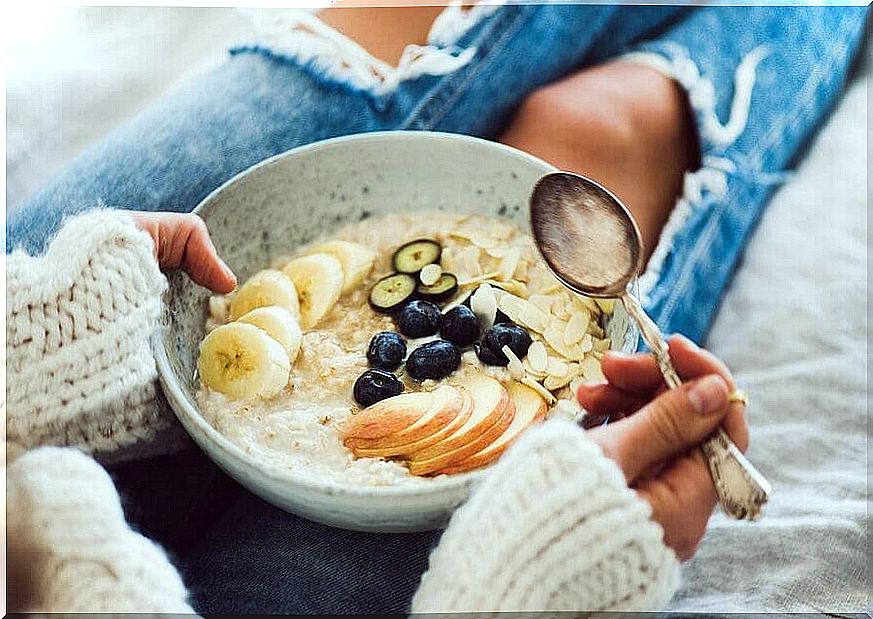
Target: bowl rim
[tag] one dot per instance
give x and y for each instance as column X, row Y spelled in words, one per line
column 170, row 382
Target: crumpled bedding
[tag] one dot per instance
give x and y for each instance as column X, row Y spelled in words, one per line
column 793, row 326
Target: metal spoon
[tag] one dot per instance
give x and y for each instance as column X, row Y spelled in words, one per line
column 593, row 246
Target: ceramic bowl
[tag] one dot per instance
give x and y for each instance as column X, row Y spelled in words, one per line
column 306, row 193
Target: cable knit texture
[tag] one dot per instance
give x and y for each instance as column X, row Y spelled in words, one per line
column 554, row 527
column 78, row 322
column 66, row 526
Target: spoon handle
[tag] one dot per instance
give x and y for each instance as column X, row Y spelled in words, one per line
column 742, row 490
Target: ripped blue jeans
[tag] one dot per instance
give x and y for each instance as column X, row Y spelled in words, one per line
column 759, row 82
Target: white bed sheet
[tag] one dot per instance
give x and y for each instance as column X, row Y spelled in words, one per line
column 793, row 326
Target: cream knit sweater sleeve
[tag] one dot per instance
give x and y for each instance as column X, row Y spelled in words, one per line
column 78, row 322
column 554, row 527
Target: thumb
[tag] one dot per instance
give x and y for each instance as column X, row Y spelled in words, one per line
column 669, row 425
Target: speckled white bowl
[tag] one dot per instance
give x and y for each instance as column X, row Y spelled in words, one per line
column 296, row 197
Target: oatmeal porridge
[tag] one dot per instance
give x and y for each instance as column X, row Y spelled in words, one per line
column 403, row 349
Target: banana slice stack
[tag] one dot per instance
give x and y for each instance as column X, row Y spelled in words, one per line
column 252, row 356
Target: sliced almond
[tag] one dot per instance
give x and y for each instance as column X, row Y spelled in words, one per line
column 577, row 327
column 513, row 286
column 530, row 382
column 542, row 301
column 521, row 270
column 602, row 345
column 524, row 313
column 484, row 305
column 430, row 274
column 583, row 302
column 554, row 336
column 508, row 263
column 557, row 368
column 586, row 345
column 538, row 357
column 473, row 281
column 515, row 367
column 606, row 305
column 591, row 369
column 531, row 371
column 556, row 382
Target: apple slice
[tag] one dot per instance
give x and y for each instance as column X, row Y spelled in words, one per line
column 441, row 407
column 387, row 416
column 530, row 408
column 474, row 444
column 412, row 447
column 489, row 398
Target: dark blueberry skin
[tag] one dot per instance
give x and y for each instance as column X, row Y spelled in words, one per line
column 375, row 385
column 488, row 357
column 434, row 360
column 419, row 318
column 504, row 334
column 460, row 326
column 387, row 350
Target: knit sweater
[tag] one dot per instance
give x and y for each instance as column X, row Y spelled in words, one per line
column 553, row 526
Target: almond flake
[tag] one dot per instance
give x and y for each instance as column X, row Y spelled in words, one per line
column 553, row 288
column 542, row 301
column 577, row 328
column 557, row 368
column 586, row 304
column 554, row 336
column 487, row 277
column 508, row 263
column 550, row 399
column 607, row 305
column 538, row 374
column 430, row 274
column 515, row 287
column 586, row 344
column 556, row 382
column 521, row 271
column 515, row 367
column 484, row 305
column 521, row 311
column 591, row 369
column 602, row 345
column 538, row 357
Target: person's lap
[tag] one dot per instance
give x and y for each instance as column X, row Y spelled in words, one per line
column 235, row 551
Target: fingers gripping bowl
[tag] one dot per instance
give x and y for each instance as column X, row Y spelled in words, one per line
column 302, row 447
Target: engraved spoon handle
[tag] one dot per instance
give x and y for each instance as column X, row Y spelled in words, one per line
column 742, row 490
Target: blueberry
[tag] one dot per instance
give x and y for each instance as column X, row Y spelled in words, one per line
column 460, row 325
column 489, row 357
column 418, row 319
column 387, row 350
column 434, row 360
column 505, row 334
column 375, row 385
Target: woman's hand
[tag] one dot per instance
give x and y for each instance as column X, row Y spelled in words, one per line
column 182, row 242
column 656, row 444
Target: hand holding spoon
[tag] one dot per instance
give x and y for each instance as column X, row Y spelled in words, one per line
column 593, row 246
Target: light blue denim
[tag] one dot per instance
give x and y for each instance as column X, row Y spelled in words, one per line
column 241, row 555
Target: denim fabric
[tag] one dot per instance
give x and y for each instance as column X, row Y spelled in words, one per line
column 239, row 554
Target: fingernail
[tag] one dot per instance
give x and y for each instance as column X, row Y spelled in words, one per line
column 708, row 395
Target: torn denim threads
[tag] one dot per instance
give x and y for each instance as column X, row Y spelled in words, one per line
column 759, row 82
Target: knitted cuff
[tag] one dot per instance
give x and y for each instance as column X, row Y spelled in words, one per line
column 78, row 322
column 71, row 545
column 553, row 527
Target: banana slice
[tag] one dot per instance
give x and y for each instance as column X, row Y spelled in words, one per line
column 356, row 260
column 242, row 361
column 319, row 282
column 279, row 325
column 265, row 288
